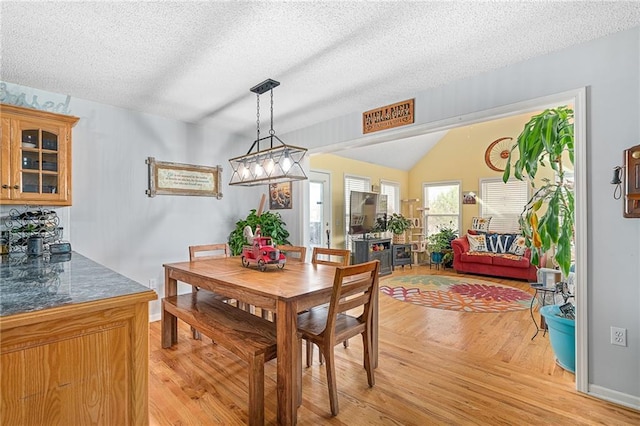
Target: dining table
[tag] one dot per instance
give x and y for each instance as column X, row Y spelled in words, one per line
column 285, row 291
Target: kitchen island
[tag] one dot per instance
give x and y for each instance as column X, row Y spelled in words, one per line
column 73, row 343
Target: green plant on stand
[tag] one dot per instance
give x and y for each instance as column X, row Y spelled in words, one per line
column 271, row 225
column 439, row 244
column 547, row 220
column 398, row 224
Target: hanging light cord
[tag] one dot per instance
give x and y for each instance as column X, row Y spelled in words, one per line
column 258, row 119
column 271, row 131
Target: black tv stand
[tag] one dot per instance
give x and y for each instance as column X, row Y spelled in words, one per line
column 368, row 249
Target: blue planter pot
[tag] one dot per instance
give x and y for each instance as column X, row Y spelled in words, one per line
column 562, row 333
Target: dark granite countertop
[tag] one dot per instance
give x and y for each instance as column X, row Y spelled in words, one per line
column 34, row 283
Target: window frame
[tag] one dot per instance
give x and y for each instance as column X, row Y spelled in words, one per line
column 395, row 186
column 457, row 223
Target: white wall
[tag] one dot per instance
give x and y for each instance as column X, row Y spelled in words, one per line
column 610, row 69
column 114, row 222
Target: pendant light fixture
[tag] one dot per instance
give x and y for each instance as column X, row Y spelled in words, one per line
column 273, row 164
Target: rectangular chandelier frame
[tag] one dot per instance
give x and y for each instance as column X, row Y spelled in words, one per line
column 273, row 165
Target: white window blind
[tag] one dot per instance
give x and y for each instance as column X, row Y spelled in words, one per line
column 352, row 183
column 392, row 191
column 503, row 202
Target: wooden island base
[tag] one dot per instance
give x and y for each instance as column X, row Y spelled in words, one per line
column 77, row 364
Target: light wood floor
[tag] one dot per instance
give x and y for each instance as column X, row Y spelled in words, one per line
column 435, row 367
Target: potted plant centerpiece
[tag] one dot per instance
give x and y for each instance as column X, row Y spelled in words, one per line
column 270, row 223
column 547, row 220
column 398, row 225
column 439, row 245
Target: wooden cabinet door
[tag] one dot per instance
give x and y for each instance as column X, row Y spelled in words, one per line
column 40, row 159
column 35, row 157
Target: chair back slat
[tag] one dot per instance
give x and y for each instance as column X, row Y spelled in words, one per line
column 329, row 256
column 347, row 304
column 294, row 253
column 211, row 251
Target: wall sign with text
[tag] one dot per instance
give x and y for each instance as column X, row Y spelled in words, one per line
column 183, row 179
column 388, row 117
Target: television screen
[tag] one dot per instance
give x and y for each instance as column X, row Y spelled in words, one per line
column 365, row 210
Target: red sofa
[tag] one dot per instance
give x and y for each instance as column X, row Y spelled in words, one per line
column 494, row 264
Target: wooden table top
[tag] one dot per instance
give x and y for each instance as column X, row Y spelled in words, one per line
column 227, row 276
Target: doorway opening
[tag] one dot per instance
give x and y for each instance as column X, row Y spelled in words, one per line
column 577, row 98
column 319, row 209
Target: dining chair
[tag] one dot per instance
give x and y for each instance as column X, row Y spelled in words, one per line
column 353, row 289
column 207, row 252
column 329, row 256
column 332, row 257
column 293, row 253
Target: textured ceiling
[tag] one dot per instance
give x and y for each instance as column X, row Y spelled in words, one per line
column 195, row 61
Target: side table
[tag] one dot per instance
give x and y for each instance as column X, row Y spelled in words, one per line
column 542, row 294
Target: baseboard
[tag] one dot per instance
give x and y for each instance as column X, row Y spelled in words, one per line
column 616, row 397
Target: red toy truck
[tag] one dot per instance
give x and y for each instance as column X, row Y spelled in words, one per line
column 263, row 253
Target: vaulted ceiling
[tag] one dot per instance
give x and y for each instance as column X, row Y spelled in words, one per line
column 195, row 61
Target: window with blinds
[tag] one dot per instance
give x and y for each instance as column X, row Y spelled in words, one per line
column 503, row 202
column 441, row 206
column 352, row 183
column 392, row 191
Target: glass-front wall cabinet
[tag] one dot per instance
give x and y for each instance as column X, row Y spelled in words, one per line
column 36, row 157
column 40, row 161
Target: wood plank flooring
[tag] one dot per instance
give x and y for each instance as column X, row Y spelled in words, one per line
column 435, row 367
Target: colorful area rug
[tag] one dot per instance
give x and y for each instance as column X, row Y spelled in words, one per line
column 456, row 293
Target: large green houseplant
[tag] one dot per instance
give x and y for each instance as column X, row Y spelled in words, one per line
column 547, row 220
column 271, row 225
column 398, row 224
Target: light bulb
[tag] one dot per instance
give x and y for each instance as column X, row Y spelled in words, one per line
column 257, row 170
column 269, row 165
column 243, row 171
column 286, row 162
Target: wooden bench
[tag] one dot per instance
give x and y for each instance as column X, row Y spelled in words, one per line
column 248, row 336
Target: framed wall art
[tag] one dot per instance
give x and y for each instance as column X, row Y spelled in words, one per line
column 183, row 179
column 280, row 196
column 469, row 197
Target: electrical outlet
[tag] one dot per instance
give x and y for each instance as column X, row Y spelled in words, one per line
column 153, row 283
column 618, row 336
